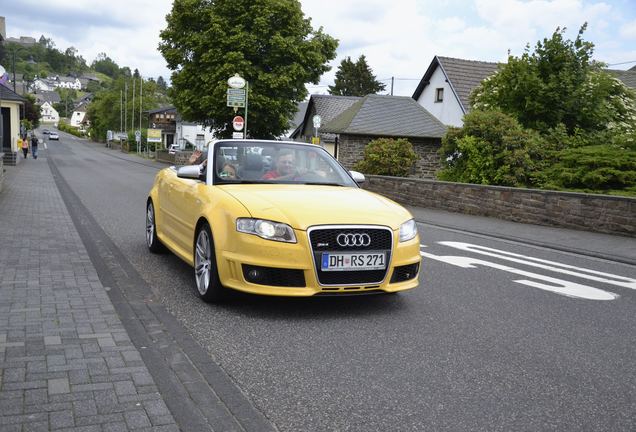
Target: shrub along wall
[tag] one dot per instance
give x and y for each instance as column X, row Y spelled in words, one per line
column 600, row 213
column 351, row 150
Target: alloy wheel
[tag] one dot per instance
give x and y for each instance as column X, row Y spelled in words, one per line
column 150, row 225
column 202, row 262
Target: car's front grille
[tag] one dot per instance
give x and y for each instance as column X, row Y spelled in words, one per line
column 404, row 273
column 325, row 240
column 273, row 276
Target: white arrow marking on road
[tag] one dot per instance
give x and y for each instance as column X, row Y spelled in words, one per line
column 566, row 288
column 594, row 275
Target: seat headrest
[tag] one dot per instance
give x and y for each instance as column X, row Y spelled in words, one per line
column 253, row 162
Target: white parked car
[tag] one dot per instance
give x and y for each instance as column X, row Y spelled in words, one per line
column 173, row 148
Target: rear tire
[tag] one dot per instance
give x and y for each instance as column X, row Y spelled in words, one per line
column 206, row 273
column 153, row 242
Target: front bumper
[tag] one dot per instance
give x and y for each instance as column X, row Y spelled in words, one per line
column 293, row 269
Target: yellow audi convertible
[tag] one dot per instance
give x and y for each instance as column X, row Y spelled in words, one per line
column 283, row 219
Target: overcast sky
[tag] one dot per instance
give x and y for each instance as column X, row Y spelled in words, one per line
column 398, row 37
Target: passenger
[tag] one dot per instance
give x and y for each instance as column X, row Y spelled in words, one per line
column 228, row 172
column 285, row 167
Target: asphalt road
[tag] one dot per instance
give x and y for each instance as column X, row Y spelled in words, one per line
column 504, row 343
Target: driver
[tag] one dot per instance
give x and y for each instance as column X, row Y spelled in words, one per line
column 285, row 167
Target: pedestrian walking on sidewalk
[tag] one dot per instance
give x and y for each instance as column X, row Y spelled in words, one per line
column 34, row 145
column 25, row 146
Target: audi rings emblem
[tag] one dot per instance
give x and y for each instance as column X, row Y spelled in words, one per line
column 353, row 240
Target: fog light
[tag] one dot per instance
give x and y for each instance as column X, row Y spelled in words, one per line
column 253, row 275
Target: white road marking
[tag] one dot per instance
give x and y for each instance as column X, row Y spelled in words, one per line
column 583, row 273
column 558, row 286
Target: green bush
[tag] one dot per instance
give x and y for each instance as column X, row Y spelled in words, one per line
column 65, row 127
column 596, row 168
column 492, row 148
column 386, row 156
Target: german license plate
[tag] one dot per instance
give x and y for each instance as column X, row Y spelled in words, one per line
column 353, row 261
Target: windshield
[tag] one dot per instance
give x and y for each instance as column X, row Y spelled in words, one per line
column 278, row 163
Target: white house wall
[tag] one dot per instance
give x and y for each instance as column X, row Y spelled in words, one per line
column 77, row 118
column 190, row 132
column 48, row 114
column 448, row 111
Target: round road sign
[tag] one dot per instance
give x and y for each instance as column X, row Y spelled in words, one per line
column 236, row 81
column 238, row 122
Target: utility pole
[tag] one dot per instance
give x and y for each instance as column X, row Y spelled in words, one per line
column 121, row 110
column 13, row 65
column 126, row 109
column 141, row 96
column 392, row 79
column 132, row 123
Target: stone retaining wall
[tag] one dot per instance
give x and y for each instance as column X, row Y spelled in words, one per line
column 600, row 213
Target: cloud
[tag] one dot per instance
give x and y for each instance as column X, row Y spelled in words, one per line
column 127, row 31
column 399, row 38
column 628, row 30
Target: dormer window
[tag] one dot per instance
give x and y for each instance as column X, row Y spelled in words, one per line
column 439, row 94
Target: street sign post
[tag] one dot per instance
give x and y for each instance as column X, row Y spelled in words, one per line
column 317, row 120
column 237, row 135
column 237, row 97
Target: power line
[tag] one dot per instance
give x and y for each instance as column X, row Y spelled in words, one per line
column 627, row 62
column 400, row 79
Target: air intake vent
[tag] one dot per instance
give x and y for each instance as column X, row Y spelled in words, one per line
column 404, row 273
column 273, row 276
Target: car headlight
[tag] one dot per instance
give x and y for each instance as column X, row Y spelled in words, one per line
column 266, row 229
column 408, row 230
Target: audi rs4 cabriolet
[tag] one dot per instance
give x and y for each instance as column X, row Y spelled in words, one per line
column 282, row 219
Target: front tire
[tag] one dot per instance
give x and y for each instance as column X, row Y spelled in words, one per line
column 206, row 274
column 153, row 242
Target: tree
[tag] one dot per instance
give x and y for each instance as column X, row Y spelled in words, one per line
column 161, row 83
column 268, row 42
column 104, row 111
column 66, row 105
column 105, row 65
column 355, row 79
column 557, row 84
column 491, row 148
column 31, row 110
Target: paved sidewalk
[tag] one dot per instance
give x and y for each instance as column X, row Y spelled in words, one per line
column 66, row 361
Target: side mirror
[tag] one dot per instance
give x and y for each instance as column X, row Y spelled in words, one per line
column 357, row 177
column 192, row 172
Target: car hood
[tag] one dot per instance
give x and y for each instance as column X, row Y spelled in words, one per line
column 302, row 206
